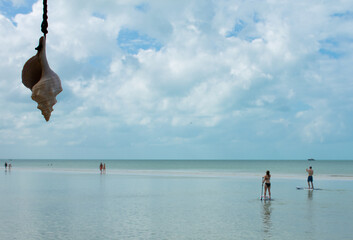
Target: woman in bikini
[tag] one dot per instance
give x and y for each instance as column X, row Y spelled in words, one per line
column 266, row 180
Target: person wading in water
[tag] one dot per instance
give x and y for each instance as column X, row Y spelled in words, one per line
column 266, row 180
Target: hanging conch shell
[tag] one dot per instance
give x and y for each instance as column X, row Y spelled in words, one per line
column 44, row 91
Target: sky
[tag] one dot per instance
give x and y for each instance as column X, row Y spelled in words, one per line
column 186, row 79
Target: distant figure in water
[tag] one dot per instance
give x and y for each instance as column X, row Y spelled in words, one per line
column 266, row 180
column 5, row 165
column 10, row 166
column 104, row 168
column 310, row 172
column 101, row 167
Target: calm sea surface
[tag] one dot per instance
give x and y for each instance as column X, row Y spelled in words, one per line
column 66, row 199
column 278, row 168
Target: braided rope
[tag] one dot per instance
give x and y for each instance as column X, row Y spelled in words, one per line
column 45, row 18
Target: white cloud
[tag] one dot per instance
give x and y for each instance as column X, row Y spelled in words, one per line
column 209, row 74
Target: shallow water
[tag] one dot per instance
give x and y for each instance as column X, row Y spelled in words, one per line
column 254, row 168
column 86, row 205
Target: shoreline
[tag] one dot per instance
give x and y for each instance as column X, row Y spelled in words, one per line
column 181, row 173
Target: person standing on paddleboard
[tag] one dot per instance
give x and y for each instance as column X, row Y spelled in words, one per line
column 310, row 172
column 266, row 180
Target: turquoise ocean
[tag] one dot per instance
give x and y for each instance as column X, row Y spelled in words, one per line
column 174, row 199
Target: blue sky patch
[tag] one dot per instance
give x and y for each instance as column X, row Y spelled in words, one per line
column 333, row 42
column 132, row 41
column 99, row 15
column 256, row 18
column 330, row 53
column 250, row 38
column 143, row 7
column 238, row 27
column 332, row 47
column 8, row 10
column 344, row 15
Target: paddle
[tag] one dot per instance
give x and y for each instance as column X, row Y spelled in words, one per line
column 262, row 187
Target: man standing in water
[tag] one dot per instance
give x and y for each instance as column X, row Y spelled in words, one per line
column 310, row 172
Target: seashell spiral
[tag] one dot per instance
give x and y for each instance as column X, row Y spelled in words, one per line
column 44, row 92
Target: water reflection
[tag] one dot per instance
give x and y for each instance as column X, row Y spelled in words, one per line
column 310, row 194
column 310, row 215
column 266, row 219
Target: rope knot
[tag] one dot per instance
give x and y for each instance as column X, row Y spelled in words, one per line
column 45, row 18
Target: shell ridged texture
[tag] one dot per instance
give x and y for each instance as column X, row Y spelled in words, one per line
column 45, row 92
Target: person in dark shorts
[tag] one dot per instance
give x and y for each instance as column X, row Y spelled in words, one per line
column 266, row 180
column 310, row 172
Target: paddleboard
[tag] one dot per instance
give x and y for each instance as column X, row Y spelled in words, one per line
column 266, row 198
column 305, row 188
